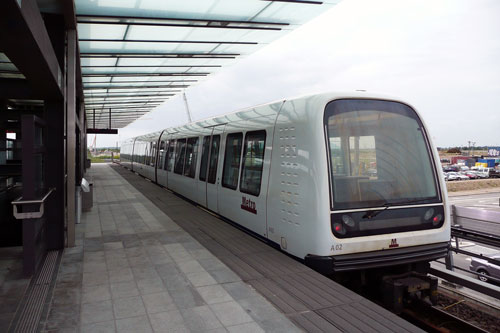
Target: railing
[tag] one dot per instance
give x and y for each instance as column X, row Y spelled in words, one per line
column 480, row 226
column 30, row 215
column 478, row 220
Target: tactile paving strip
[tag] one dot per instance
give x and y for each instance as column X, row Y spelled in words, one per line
column 32, row 306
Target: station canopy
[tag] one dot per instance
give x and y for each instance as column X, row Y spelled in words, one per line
column 136, row 54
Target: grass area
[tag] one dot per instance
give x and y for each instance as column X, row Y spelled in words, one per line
column 471, row 185
column 100, row 159
column 103, row 158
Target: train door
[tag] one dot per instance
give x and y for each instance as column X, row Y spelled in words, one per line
column 169, row 146
column 211, row 165
column 159, row 156
column 132, row 157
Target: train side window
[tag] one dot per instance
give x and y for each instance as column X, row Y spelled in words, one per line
column 214, row 158
column 171, row 155
column 191, row 155
column 232, row 160
column 204, row 158
column 153, row 154
column 253, row 162
column 161, row 155
column 180, row 154
column 145, row 157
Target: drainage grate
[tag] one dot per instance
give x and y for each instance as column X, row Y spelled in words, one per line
column 32, row 306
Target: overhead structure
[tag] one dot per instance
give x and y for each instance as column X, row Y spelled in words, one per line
column 69, row 68
column 136, row 54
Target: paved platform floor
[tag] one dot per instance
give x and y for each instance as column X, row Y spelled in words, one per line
column 310, row 300
column 13, row 284
column 135, row 270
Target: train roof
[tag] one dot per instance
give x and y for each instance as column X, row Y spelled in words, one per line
column 318, row 98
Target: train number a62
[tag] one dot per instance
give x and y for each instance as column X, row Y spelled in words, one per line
column 336, row 247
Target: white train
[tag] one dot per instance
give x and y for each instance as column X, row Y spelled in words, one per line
column 344, row 181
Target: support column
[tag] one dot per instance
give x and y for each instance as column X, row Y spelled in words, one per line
column 83, row 147
column 71, row 136
column 54, row 111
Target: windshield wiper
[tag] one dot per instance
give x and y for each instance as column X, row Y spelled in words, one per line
column 372, row 213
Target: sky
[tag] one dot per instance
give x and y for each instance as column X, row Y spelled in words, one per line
column 442, row 57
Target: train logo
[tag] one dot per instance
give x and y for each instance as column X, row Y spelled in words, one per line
column 394, row 243
column 248, row 205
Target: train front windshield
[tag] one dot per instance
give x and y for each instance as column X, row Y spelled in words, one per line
column 379, row 155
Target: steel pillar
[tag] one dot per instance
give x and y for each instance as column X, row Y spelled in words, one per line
column 71, row 136
column 55, row 175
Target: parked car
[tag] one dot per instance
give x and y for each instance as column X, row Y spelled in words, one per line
column 494, row 173
column 481, row 172
column 482, row 175
column 451, row 176
column 471, row 175
column 450, row 169
column 485, row 268
column 456, row 176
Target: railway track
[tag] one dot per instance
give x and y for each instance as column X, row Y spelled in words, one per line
column 433, row 319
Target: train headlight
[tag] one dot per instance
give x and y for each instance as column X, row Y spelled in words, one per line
column 348, row 221
column 339, row 228
column 428, row 214
column 437, row 219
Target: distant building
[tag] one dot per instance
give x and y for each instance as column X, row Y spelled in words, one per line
column 493, row 151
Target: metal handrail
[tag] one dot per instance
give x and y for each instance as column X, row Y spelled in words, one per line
column 466, row 281
column 475, row 236
column 30, row 215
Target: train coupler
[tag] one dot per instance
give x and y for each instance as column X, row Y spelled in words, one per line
column 403, row 288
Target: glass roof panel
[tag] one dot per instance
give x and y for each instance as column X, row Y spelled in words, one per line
column 130, row 90
column 101, row 31
column 137, row 47
column 293, row 13
column 4, row 58
column 141, row 85
column 197, row 9
column 136, row 70
column 151, row 79
column 8, row 66
column 241, row 49
column 96, row 79
column 97, row 61
column 172, row 61
column 158, row 32
column 124, row 98
column 198, row 34
column 7, row 75
column 132, row 50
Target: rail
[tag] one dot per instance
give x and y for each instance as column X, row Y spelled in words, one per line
column 478, row 220
column 31, row 215
column 466, row 281
column 480, row 226
column 475, row 236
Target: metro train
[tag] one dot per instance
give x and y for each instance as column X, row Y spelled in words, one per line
column 344, row 181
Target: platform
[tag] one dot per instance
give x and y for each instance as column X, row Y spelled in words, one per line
column 311, row 301
column 147, row 260
column 136, row 270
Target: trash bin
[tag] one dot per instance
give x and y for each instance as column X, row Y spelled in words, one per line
column 87, row 195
